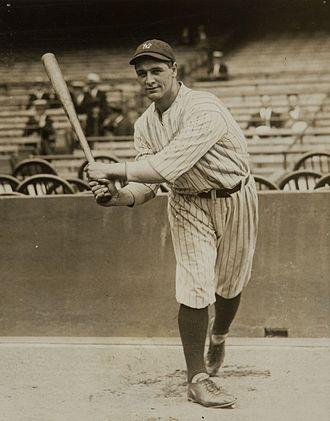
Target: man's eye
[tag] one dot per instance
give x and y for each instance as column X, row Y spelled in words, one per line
column 141, row 74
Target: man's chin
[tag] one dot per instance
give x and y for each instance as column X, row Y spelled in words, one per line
column 153, row 96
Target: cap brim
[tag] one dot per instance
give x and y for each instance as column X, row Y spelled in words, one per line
column 150, row 54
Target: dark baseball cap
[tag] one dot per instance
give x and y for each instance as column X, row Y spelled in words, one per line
column 154, row 48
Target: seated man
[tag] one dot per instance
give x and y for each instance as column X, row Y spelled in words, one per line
column 266, row 117
column 296, row 119
column 38, row 92
column 42, row 124
column 93, row 94
column 94, row 119
column 77, row 90
column 202, row 41
column 218, row 70
column 53, row 101
column 119, row 122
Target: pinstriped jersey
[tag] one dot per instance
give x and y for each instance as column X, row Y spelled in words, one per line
column 195, row 145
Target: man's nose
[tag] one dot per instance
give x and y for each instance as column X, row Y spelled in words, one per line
column 149, row 79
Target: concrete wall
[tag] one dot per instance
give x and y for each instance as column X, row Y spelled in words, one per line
column 69, row 267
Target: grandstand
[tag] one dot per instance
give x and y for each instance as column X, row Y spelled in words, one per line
column 273, row 64
column 272, row 155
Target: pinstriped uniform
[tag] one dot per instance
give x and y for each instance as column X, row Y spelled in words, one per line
column 197, row 146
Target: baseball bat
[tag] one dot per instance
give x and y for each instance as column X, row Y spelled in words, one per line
column 60, row 87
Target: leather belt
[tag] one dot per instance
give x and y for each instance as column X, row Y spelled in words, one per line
column 222, row 192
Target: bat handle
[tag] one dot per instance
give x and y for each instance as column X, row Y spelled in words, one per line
column 89, row 157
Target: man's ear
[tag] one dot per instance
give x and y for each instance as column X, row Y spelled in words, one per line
column 175, row 69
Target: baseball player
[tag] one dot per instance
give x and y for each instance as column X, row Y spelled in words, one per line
column 189, row 140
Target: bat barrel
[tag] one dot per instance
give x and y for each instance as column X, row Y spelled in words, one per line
column 60, row 87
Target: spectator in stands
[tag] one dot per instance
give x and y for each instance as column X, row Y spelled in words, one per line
column 296, row 119
column 53, row 101
column 42, row 124
column 266, row 118
column 202, row 41
column 218, row 70
column 119, row 122
column 185, row 36
column 77, row 89
column 39, row 92
column 95, row 119
column 92, row 95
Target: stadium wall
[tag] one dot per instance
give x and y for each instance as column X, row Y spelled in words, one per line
column 71, row 268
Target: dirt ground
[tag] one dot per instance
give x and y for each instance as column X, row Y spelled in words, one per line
column 144, row 380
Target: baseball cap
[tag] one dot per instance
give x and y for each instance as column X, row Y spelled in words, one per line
column 154, row 48
column 93, row 77
column 40, row 103
column 217, row 53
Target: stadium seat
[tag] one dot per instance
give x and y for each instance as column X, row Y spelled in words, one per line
column 78, row 185
column 8, row 184
column 315, row 161
column 44, row 184
column 263, row 183
column 300, row 180
column 323, row 182
column 13, row 193
column 29, row 167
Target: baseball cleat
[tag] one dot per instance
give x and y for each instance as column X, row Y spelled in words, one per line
column 216, row 353
column 207, row 393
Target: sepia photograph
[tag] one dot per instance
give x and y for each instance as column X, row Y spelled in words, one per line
column 164, row 210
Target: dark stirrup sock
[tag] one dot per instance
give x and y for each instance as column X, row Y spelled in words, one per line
column 193, row 324
column 225, row 311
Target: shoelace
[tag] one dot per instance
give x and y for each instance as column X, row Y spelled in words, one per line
column 210, row 386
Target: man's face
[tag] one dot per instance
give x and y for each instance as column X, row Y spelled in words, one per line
column 40, row 109
column 265, row 101
column 92, row 85
column 293, row 101
column 155, row 77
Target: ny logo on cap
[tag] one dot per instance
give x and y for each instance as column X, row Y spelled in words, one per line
column 147, row 45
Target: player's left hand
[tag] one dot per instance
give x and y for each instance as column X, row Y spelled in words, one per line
column 100, row 170
column 97, row 170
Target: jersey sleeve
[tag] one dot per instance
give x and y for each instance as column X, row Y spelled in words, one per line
column 144, row 151
column 201, row 129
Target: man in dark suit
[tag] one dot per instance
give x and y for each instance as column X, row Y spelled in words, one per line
column 39, row 92
column 266, row 116
column 120, row 122
column 218, row 70
column 93, row 95
column 77, row 90
column 94, row 105
column 42, row 124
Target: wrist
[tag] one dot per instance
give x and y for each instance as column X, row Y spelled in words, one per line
column 118, row 171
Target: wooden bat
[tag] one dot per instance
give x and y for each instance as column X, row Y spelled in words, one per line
column 57, row 80
column 60, row 87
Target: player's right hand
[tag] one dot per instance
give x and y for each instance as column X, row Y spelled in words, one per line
column 105, row 192
column 107, row 195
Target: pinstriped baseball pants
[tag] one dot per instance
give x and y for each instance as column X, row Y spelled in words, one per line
column 214, row 242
